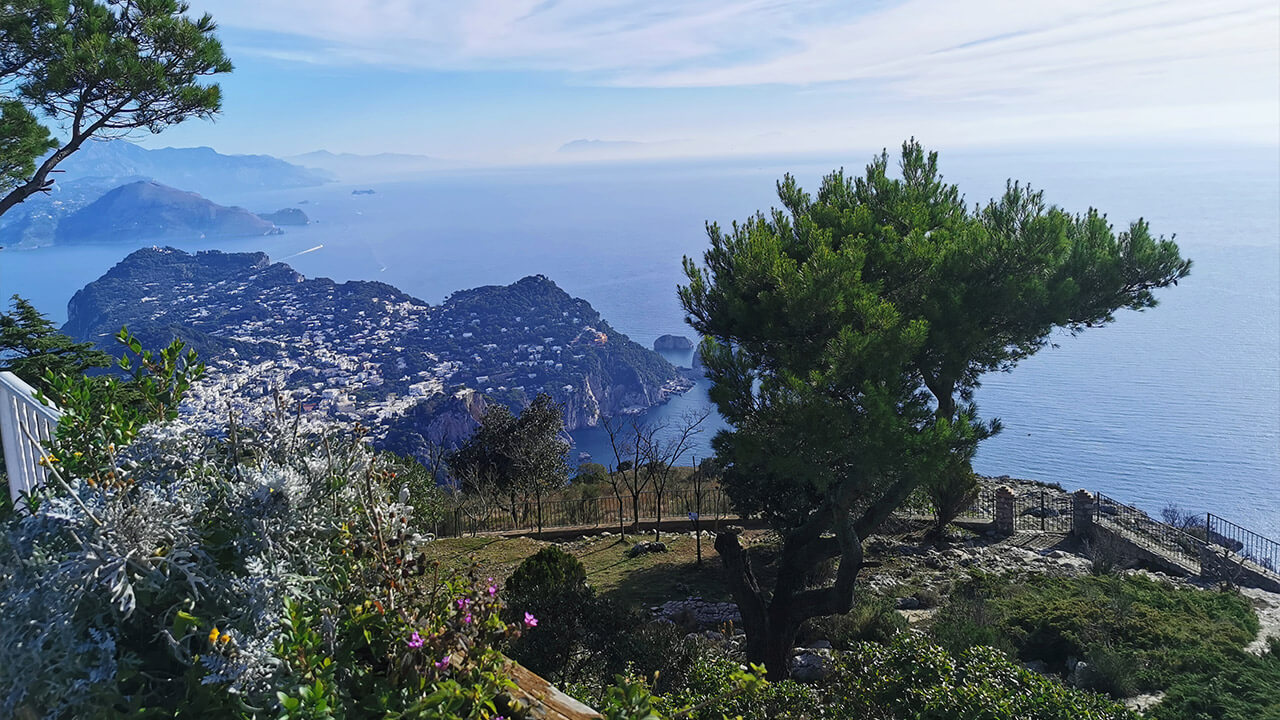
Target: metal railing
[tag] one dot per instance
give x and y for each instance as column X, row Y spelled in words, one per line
column 1244, row 543
column 1144, row 531
column 26, row 426
column 1043, row 511
column 983, row 507
column 602, row 511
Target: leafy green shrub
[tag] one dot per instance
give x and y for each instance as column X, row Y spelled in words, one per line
column 1247, row 687
column 1140, row 634
column 164, row 592
column 617, row 640
column 550, row 570
column 1111, row 671
column 591, row 473
column 968, row 620
column 913, row 679
column 715, row 689
column 552, row 585
column 873, row 618
column 582, row 638
column 102, row 413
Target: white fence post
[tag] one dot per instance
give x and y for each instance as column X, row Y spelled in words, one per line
column 23, row 417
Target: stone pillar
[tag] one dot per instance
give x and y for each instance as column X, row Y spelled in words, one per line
column 1082, row 512
column 1004, row 510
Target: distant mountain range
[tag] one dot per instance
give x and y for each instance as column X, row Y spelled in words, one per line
column 199, row 169
column 348, row 167
column 102, row 167
column 119, row 191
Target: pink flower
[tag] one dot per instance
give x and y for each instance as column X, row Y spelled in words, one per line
column 530, row 620
column 415, row 641
column 467, row 619
column 463, row 603
column 442, row 663
column 493, row 590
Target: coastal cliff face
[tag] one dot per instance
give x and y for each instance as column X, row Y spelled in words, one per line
column 366, row 351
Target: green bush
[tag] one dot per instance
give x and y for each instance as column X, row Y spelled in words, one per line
column 1111, row 671
column 969, row 619
column 1136, row 634
column 1245, row 688
column 101, row 414
column 549, row 571
column 583, row 639
column 913, row 679
column 713, row 690
column 552, row 586
column 873, row 618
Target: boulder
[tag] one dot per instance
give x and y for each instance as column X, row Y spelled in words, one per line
column 673, row 342
column 644, row 548
column 809, row 666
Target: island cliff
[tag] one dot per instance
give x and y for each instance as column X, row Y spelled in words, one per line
column 367, row 351
column 146, row 210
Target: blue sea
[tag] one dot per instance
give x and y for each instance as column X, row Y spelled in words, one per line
column 1179, row 404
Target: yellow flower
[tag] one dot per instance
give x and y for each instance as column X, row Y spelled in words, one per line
column 226, row 638
column 213, row 635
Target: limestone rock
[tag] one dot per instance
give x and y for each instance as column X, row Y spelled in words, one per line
column 673, row 342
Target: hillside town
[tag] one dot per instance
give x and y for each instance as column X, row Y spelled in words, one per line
column 364, row 351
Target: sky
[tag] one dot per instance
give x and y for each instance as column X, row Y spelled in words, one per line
column 515, row 81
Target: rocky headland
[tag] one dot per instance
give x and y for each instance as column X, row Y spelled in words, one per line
column 145, row 210
column 286, row 216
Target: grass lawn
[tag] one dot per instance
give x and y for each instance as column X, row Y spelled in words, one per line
column 646, row 580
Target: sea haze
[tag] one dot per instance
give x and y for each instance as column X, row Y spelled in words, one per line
column 1176, row 404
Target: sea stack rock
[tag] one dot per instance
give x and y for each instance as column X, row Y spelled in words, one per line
column 673, row 342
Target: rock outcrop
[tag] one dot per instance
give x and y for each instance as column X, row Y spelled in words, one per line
column 673, row 342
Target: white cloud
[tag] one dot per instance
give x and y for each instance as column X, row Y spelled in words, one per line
column 731, row 42
column 570, row 35
column 1097, row 64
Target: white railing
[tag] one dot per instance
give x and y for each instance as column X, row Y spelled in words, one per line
column 26, row 425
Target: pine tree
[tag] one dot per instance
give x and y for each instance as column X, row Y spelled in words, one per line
column 99, row 69
column 30, row 346
column 844, row 336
